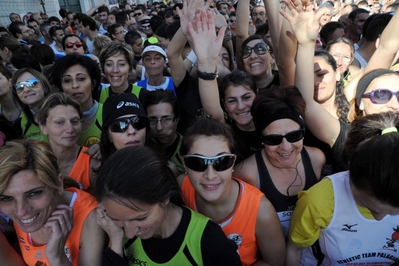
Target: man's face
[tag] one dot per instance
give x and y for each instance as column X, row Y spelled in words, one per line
column 15, row 17
column 147, row 29
column 83, row 29
column 59, row 35
column 103, row 17
column 138, row 14
column 259, row 16
column 26, row 33
column 35, row 26
column 70, row 18
column 44, row 17
column 356, row 26
column 111, row 20
column 38, row 18
column 119, row 34
column 224, row 8
column 54, row 23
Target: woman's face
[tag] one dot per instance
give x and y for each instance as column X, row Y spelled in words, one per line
column 30, row 95
column 285, row 154
column 131, row 137
column 238, row 102
column 325, row 80
column 224, row 55
column 5, row 85
column 154, row 63
column 77, row 83
column 389, row 82
column 5, row 54
column 63, row 126
column 116, row 70
column 166, row 123
column 210, row 185
column 377, row 208
column 139, row 219
column 28, row 201
column 74, row 49
column 257, row 65
column 342, row 54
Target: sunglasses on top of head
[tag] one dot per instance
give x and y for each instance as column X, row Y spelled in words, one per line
column 381, row 96
column 259, row 49
column 200, row 163
column 122, row 124
column 274, row 139
column 72, row 44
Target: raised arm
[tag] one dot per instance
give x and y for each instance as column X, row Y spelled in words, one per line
column 242, row 21
column 305, row 26
column 175, row 48
column 207, row 46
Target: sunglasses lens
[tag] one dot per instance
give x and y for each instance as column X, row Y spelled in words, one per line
column 78, row 44
column 200, row 163
column 261, row 48
column 274, row 140
column 294, row 136
column 381, row 96
column 121, row 125
column 246, row 52
column 69, row 45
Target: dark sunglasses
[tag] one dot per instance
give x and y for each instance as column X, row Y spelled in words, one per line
column 232, row 20
column 137, row 14
column 381, row 96
column 274, row 139
column 71, row 44
column 19, row 87
column 260, row 49
column 122, row 124
column 200, row 163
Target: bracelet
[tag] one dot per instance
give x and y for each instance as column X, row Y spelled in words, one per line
column 207, row 76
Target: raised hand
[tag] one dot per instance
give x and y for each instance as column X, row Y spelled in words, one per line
column 190, row 8
column 60, row 223
column 206, row 43
column 304, row 22
column 114, row 232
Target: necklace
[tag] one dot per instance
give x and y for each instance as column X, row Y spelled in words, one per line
column 297, row 175
column 89, row 114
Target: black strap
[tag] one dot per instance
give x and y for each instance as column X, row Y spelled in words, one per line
column 130, row 242
column 317, row 253
column 190, row 258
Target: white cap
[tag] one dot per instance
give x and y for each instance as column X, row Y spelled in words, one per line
column 154, row 48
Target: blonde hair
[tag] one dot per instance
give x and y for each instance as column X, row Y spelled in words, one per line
column 29, row 154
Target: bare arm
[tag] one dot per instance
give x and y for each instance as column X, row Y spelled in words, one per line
column 242, row 21
column 177, row 67
column 294, row 254
column 207, row 46
column 274, row 21
column 92, row 10
column 269, row 235
column 247, row 171
column 92, row 241
column 8, row 256
column 305, row 25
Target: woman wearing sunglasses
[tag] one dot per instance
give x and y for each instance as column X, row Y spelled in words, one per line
column 117, row 63
column 125, row 124
column 142, row 210
column 74, row 44
column 284, row 166
column 30, row 89
column 354, row 213
column 242, row 211
column 55, row 222
column 79, row 77
column 60, row 120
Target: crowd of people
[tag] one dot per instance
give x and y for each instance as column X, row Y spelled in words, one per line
column 201, row 133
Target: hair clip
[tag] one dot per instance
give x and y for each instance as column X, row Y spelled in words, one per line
column 389, row 130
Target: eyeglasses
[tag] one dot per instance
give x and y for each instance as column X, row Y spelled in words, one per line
column 345, row 59
column 122, row 124
column 19, row 87
column 260, row 49
column 72, row 44
column 274, row 139
column 200, row 163
column 146, row 26
column 232, row 20
column 166, row 121
column 137, row 14
column 381, row 96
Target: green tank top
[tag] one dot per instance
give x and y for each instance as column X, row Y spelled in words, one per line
column 105, row 93
column 33, row 132
column 92, row 135
column 191, row 244
column 175, row 157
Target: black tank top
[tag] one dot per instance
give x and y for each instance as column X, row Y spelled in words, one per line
column 282, row 202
